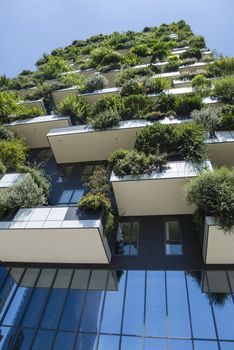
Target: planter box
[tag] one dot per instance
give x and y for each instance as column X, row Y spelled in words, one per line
column 35, row 130
column 221, row 148
column 34, row 104
column 59, row 95
column 218, row 246
column 199, row 67
column 96, row 95
column 50, row 235
column 91, row 145
column 155, row 194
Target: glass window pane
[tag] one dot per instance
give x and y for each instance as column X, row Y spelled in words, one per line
column 86, row 342
column 155, row 344
column 134, row 303
column 92, row 312
column 43, row 340
column 3, row 275
column 175, row 344
column 135, row 343
column 24, row 339
column 110, row 342
column 207, row 345
column 76, row 197
column 222, row 303
column 80, row 279
column 112, row 314
column 172, row 231
column 65, row 197
column 64, row 340
column 134, row 238
column 173, row 249
column 155, row 314
column 203, row 327
column 178, row 316
column 53, row 309
column 98, row 280
column 72, row 310
column 227, row 345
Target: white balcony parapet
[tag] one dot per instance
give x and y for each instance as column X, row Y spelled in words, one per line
column 160, row 193
column 220, row 148
column 8, row 180
column 34, row 104
column 166, row 75
column 35, row 130
column 91, row 144
column 45, row 235
column 218, row 245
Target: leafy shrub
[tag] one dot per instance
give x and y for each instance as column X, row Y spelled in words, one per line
column 164, row 103
column 2, row 167
column 227, row 122
column 95, row 82
column 172, row 66
column 141, row 50
column 94, row 202
column 135, row 163
column 197, row 41
column 8, row 104
column 189, row 61
column 224, row 90
column 157, row 85
column 106, row 103
column 190, row 139
column 185, row 141
column 53, row 67
column 157, row 138
column 132, row 87
column 25, row 194
column 38, row 176
column 12, row 153
column 212, row 192
column 207, row 118
column 185, row 104
column 6, row 134
column 104, row 120
column 70, row 80
column 222, row 67
column 136, row 106
column 192, row 52
column 75, row 107
column 24, row 112
column 131, row 60
column 99, row 182
column 201, row 84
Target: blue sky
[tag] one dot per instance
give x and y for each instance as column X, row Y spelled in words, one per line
column 28, row 28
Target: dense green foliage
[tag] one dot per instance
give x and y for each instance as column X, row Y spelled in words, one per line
column 24, row 194
column 183, row 141
column 94, row 82
column 213, row 194
column 75, row 107
column 184, row 105
column 224, row 90
column 104, row 120
column 208, row 118
column 12, row 153
column 124, row 162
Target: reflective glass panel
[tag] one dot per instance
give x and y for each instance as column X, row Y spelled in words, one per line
column 173, row 238
column 110, row 342
column 90, row 320
column 227, row 346
column 155, row 344
column 205, row 345
column 7, row 334
column 86, row 342
column 175, row 344
column 43, row 340
column 134, row 303
column 178, row 316
column 112, row 315
column 65, row 196
column 135, row 343
column 23, row 339
column 64, row 340
column 155, row 314
column 72, row 310
column 203, row 327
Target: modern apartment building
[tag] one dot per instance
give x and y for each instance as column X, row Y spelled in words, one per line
column 100, row 249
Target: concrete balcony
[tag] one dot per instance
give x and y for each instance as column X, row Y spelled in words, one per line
column 218, row 245
column 221, row 148
column 34, row 104
column 8, row 180
column 35, row 130
column 155, row 194
column 90, row 144
column 59, row 95
column 96, row 95
column 53, row 235
column 199, row 67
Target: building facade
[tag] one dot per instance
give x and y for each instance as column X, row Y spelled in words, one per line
column 156, row 280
